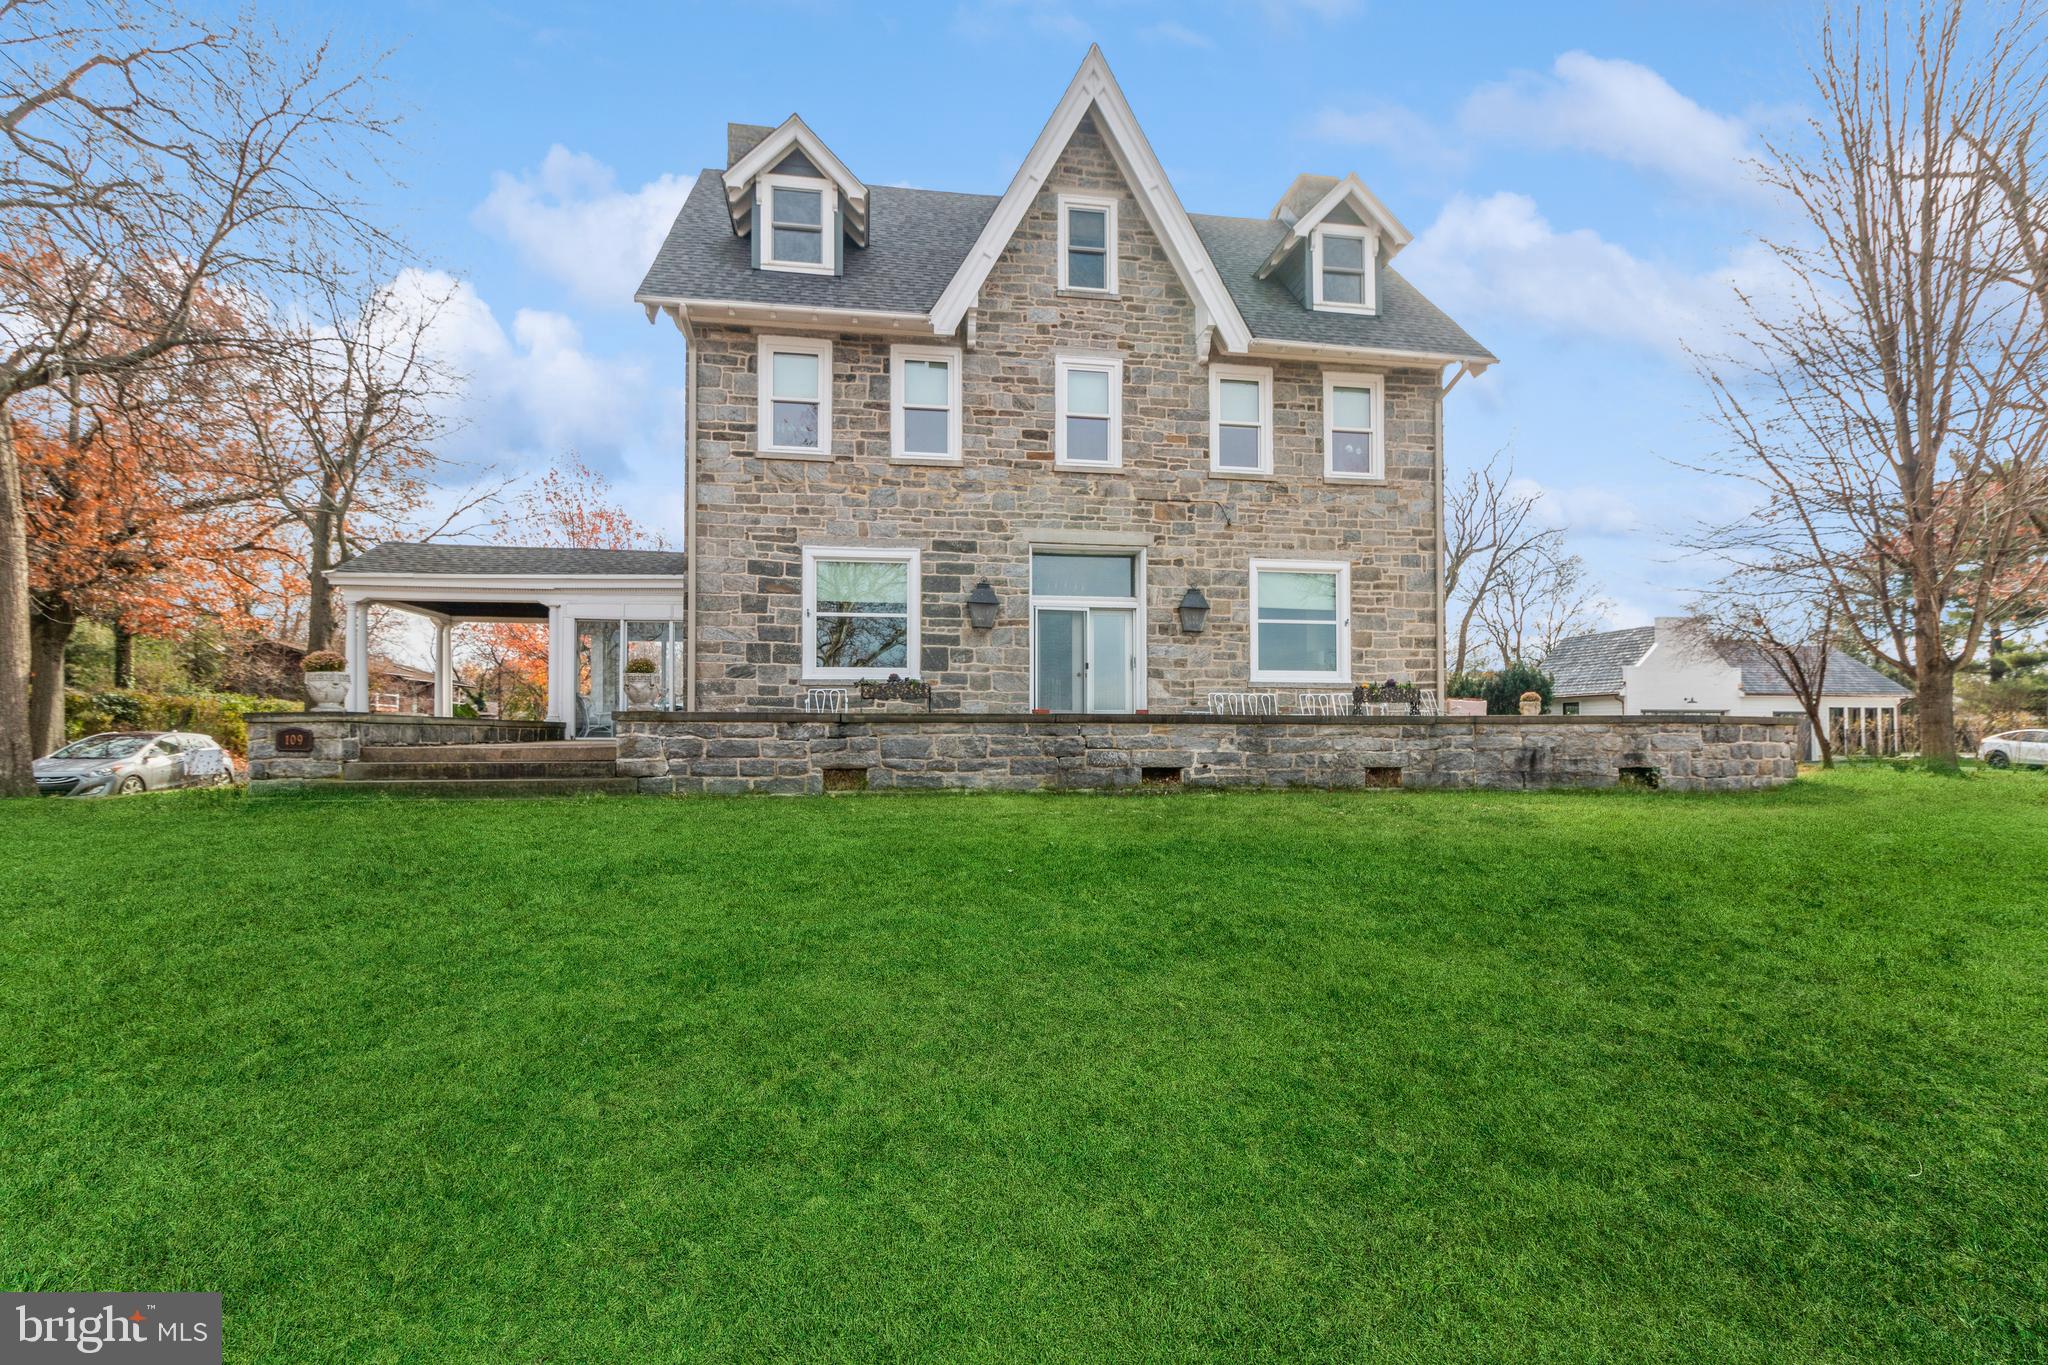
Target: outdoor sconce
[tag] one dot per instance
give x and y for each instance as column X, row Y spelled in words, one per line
column 982, row 605
column 1194, row 611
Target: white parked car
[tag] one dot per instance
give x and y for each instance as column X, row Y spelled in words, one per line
column 2015, row 748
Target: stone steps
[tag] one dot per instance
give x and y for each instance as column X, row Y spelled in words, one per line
column 477, row 786
column 547, row 751
column 444, row 770
column 550, row 768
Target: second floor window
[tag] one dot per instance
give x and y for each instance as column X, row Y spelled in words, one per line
column 797, row 212
column 1089, row 431
column 795, row 405
column 925, row 408
column 1240, row 420
column 1087, row 244
column 1351, row 424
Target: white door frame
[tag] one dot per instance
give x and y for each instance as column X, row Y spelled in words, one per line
column 1140, row 655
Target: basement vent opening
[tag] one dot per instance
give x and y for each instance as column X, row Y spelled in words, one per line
column 846, row 779
column 1382, row 777
column 1638, row 777
column 1161, row 777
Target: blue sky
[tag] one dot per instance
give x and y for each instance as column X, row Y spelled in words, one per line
column 1573, row 176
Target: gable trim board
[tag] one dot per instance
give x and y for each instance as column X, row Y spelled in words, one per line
column 1094, row 90
column 1348, row 190
column 794, row 133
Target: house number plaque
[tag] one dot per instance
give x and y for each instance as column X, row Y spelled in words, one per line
column 295, row 739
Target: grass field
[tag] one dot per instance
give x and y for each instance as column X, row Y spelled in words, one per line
column 1346, row 1077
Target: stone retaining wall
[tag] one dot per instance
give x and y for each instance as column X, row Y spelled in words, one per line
column 339, row 737
column 772, row 752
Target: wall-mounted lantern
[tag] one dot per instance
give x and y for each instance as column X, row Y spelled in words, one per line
column 982, row 606
column 1194, row 611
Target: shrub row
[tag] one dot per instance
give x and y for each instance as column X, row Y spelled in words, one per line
column 219, row 714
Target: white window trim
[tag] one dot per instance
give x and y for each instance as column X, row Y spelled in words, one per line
column 1333, row 381
column 1108, row 207
column 1264, row 379
column 913, row 590
column 1369, row 289
column 1342, row 569
column 951, row 356
column 764, row 400
column 1142, row 670
column 1060, row 367
column 828, row 204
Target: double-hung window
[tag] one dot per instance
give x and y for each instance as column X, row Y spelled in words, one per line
column 860, row 613
column 1240, row 420
column 1351, row 427
column 1087, row 244
column 794, row 415
column 796, row 213
column 1344, row 270
column 924, row 403
column 1088, row 430
column 1301, row 621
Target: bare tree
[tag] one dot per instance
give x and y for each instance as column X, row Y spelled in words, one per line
column 342, row 416
column 146, row 159
column 1491, row 533
column 1538, row 599
column 1786, row 622
column 1891, row 410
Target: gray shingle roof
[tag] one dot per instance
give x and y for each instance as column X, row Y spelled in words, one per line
column 398, row 557
column 1590, row 665
column 1845, row 676
column 1406, row 321
column 918, row 238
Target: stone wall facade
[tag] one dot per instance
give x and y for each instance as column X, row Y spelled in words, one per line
column 980, row 518
column 339, row 737
column 774, row 754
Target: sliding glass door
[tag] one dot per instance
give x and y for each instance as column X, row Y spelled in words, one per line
column 1084, row 633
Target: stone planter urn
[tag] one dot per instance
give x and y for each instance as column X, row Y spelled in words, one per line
column 642, row 689
column 328, row 691
column 1531, row 703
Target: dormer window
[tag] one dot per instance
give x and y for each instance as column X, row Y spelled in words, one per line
column 1087, row 244
column 796, row 211
column 1344, row 270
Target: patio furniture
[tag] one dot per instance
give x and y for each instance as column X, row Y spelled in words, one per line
column 824, row 700
column 1244, row 703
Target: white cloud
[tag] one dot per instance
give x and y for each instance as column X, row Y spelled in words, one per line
column 1618, row 109
column 989, row 19
column 1586, row 509
column 1391, row 128
column 1499, row 255
column 1176, row 34
column 569, row 218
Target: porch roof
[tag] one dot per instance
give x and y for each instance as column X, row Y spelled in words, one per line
column 398, row 558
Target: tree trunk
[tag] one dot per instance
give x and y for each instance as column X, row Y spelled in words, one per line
column 319, row 595
column 50, row 630
column 1820, row 733
column 124, row 656
column 1934, row 691
column 16, row 752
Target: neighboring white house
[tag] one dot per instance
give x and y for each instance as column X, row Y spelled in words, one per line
column 1673, row 669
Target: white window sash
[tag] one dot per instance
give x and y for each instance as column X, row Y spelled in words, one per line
column 764, row 396
column 950, row 357
column 1114, row 368
column 1107, row 208
column 1367, row 285
column 1247, row 374
column 828, row 202
column 913, row 608
column 1341, row 570
column 1375, row 385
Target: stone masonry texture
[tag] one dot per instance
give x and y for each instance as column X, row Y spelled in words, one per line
column 774, row 754
column 979, row 519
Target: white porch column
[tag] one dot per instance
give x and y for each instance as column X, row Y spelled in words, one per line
column 444, row 667
column 356, row 646
column 561, row 665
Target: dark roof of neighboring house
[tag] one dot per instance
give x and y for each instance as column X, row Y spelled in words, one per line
column 384, row 666
column 541, row 561
column 918, row 238
column 1590, row 665
column 1406, row 321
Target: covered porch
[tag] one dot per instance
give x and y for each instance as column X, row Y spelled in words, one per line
column 601, row 609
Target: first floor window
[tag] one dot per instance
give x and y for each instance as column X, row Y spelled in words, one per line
column 1301, row 621
column 1090, row 423
column 926, row 389
column 1240, row 420
column 1351, row 423
column 860, row 613
column 795, row 415
column 1569, row 708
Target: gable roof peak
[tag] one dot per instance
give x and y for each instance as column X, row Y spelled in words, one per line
column 791, row 135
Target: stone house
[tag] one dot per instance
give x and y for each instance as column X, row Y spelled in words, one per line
column 1075, row 403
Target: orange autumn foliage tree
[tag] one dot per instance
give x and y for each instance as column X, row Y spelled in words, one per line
column 570, row 505
column 135, row 517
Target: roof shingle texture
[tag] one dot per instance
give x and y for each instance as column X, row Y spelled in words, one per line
column 398, row 557
column 918, row 238
column 1591, row 665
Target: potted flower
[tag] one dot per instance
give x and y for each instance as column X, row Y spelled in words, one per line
column 326, row 679
column 642, row 687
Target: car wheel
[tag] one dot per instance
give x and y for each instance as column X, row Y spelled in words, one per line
column 130, row 785
column 1997, row 759
column 224, row 778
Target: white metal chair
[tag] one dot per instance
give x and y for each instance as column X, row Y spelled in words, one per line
column 825, row 700
column 1323, row 703
column 1244, row 703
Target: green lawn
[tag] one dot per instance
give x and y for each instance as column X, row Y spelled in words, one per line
column 1346, row 1077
